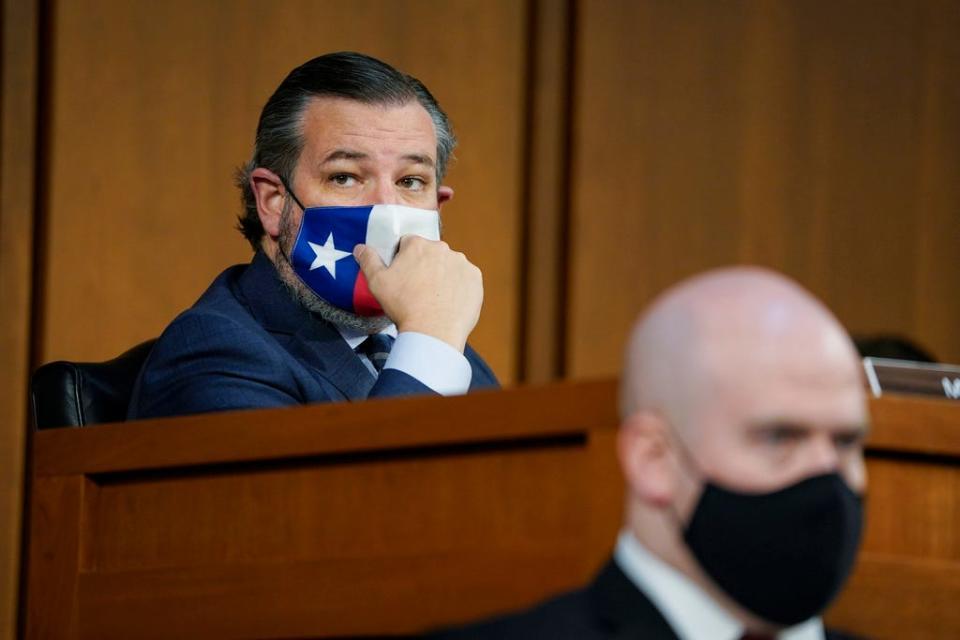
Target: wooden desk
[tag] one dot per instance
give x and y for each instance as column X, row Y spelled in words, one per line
column 379, row 517
column 398, row 516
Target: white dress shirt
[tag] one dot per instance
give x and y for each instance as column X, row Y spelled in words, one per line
column 689, row 610
column 431, row 361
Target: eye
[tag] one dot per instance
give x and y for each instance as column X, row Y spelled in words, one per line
column 780, row 436
column 343, row 179
column 412, row 183
column 849, row 440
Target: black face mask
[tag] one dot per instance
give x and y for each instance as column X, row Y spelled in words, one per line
column 783, row 555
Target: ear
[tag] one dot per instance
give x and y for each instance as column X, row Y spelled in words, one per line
column 444, row 194
column 646, row 459
column 270, row 193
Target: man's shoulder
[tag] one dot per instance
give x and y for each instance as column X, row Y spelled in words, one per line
column 215, row 356
column 610, row 606
column 219, row 314
column 223, row 295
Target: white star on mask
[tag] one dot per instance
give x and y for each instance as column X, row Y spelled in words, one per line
column 327, row 256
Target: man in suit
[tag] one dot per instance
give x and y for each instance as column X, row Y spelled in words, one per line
column 341, row 130
column 743, row 417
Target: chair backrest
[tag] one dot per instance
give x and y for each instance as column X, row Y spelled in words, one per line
column 75, row 394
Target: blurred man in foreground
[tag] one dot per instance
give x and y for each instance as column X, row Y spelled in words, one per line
column 743, row 417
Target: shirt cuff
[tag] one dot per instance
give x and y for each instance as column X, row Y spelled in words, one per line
column 431, row 361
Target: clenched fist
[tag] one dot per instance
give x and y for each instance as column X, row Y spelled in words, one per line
column 428, row 288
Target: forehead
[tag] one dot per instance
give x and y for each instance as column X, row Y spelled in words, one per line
column 379, row 130
column 810, row 381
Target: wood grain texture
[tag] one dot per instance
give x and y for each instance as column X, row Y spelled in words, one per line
column 817, row 138
column 397, row 537
column 345, row 519
column 914, row 424
column 326, row 429
column 155, row 104
column 56, row 523
column 18, row 118
column 280, row 600
column 908, row 572
column 547, row 202
column 921, row 491
column 489, row 515
column 884, row 588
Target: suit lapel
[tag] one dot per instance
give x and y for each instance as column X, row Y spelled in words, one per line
column 328, row 353
column 308, row 338
column 624, row 609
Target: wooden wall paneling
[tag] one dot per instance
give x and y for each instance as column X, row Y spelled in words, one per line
column 650, row 202
column 155, row 104
column 937, row 306
column 547, row 196
column 817, row 138
column 888, row 87
column 18, row 114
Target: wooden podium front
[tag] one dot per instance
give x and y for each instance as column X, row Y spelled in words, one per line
column 328, row 520
column 393, row 517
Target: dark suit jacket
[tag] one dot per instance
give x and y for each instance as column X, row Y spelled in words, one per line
column 247, row 344
column 610, row 608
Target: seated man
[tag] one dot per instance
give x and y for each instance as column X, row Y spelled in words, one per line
column 743, row 416
column 317, row 315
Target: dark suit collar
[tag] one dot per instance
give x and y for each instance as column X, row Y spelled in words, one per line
column 306, row 336
column 623, row 609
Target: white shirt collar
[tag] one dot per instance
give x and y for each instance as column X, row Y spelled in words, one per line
column 355, row 337
column 689, row 610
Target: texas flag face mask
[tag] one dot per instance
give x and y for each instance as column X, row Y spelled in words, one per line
column 323, row 254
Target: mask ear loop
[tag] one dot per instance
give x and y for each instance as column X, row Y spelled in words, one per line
column 689, row 463
column 290, row 191
column 283, row 252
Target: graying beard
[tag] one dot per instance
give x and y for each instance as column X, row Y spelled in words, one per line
column 302, row 294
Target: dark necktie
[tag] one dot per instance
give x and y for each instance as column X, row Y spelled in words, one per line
column 377, row 347
column 756, row 636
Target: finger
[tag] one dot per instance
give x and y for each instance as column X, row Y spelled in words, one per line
column 406, row 240
column 420, row 242
column 369, row 261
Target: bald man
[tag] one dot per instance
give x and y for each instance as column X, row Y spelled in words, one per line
column 743, row 417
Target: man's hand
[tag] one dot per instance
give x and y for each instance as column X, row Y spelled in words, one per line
column 427, row 288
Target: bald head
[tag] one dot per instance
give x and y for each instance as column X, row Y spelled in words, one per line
column 730, row 333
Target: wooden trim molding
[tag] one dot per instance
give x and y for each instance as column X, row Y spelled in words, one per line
column 18, row 117
column 546, row 192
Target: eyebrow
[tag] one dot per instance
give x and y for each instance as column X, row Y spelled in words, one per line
column 419, row 159
column 859, row 428
column 347, row 154
column 864, row 428
column 344, row 154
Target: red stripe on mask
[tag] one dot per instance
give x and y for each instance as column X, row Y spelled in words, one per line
column 364, row 304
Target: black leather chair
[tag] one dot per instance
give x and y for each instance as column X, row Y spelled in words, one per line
column 77, row 394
